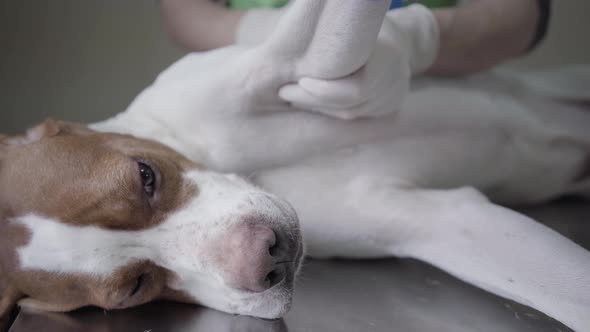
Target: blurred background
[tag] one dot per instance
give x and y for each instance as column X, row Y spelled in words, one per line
column 86, row 60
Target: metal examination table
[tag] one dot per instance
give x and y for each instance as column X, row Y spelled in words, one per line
column 378, row 295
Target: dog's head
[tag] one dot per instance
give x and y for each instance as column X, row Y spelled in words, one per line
column 113, row 221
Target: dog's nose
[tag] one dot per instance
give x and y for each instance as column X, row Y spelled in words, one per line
column 256, row 262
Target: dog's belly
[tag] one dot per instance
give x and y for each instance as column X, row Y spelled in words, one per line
column 447, row 137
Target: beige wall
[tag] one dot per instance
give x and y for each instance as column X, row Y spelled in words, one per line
column 84, row 60
column 568, row 40
column 76, row 59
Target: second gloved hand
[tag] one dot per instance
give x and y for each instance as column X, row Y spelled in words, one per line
column 407, row 45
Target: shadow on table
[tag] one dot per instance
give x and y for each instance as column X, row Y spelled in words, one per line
column 154, row 317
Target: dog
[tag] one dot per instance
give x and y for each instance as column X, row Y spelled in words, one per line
column 122, row 221
column 426, row 182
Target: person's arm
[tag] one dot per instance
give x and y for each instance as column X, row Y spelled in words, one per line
column 199, row 25
column 481, row 34
column 473, row 37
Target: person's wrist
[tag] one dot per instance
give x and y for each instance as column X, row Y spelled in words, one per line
column 420, row 30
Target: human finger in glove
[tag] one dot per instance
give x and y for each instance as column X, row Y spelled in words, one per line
column 406, row 46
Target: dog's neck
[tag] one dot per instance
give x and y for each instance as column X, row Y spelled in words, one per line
column 4, row 253
column 8, row 295
column 8, row 246
column 7, row 250
column 11, row 237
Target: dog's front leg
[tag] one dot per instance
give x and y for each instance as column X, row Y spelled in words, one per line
column 458, row 230
column 222, row 108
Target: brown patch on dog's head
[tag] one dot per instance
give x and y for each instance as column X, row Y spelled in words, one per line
column 80, row 177
column 69, row 172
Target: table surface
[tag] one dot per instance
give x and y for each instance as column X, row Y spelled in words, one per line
column 338, row 295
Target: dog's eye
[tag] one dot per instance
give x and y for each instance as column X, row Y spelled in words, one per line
column 138, row 284
column 148, row 179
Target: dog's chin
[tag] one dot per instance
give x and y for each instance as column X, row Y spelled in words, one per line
column 272, row 304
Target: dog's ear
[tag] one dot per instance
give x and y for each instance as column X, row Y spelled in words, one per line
column 9, row 295
column 47, row 128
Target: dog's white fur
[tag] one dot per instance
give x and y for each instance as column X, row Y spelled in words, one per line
column 413, row 184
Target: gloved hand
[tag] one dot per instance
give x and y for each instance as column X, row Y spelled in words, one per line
column 407, row 45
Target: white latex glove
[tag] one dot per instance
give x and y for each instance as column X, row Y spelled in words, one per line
column 407, row 44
